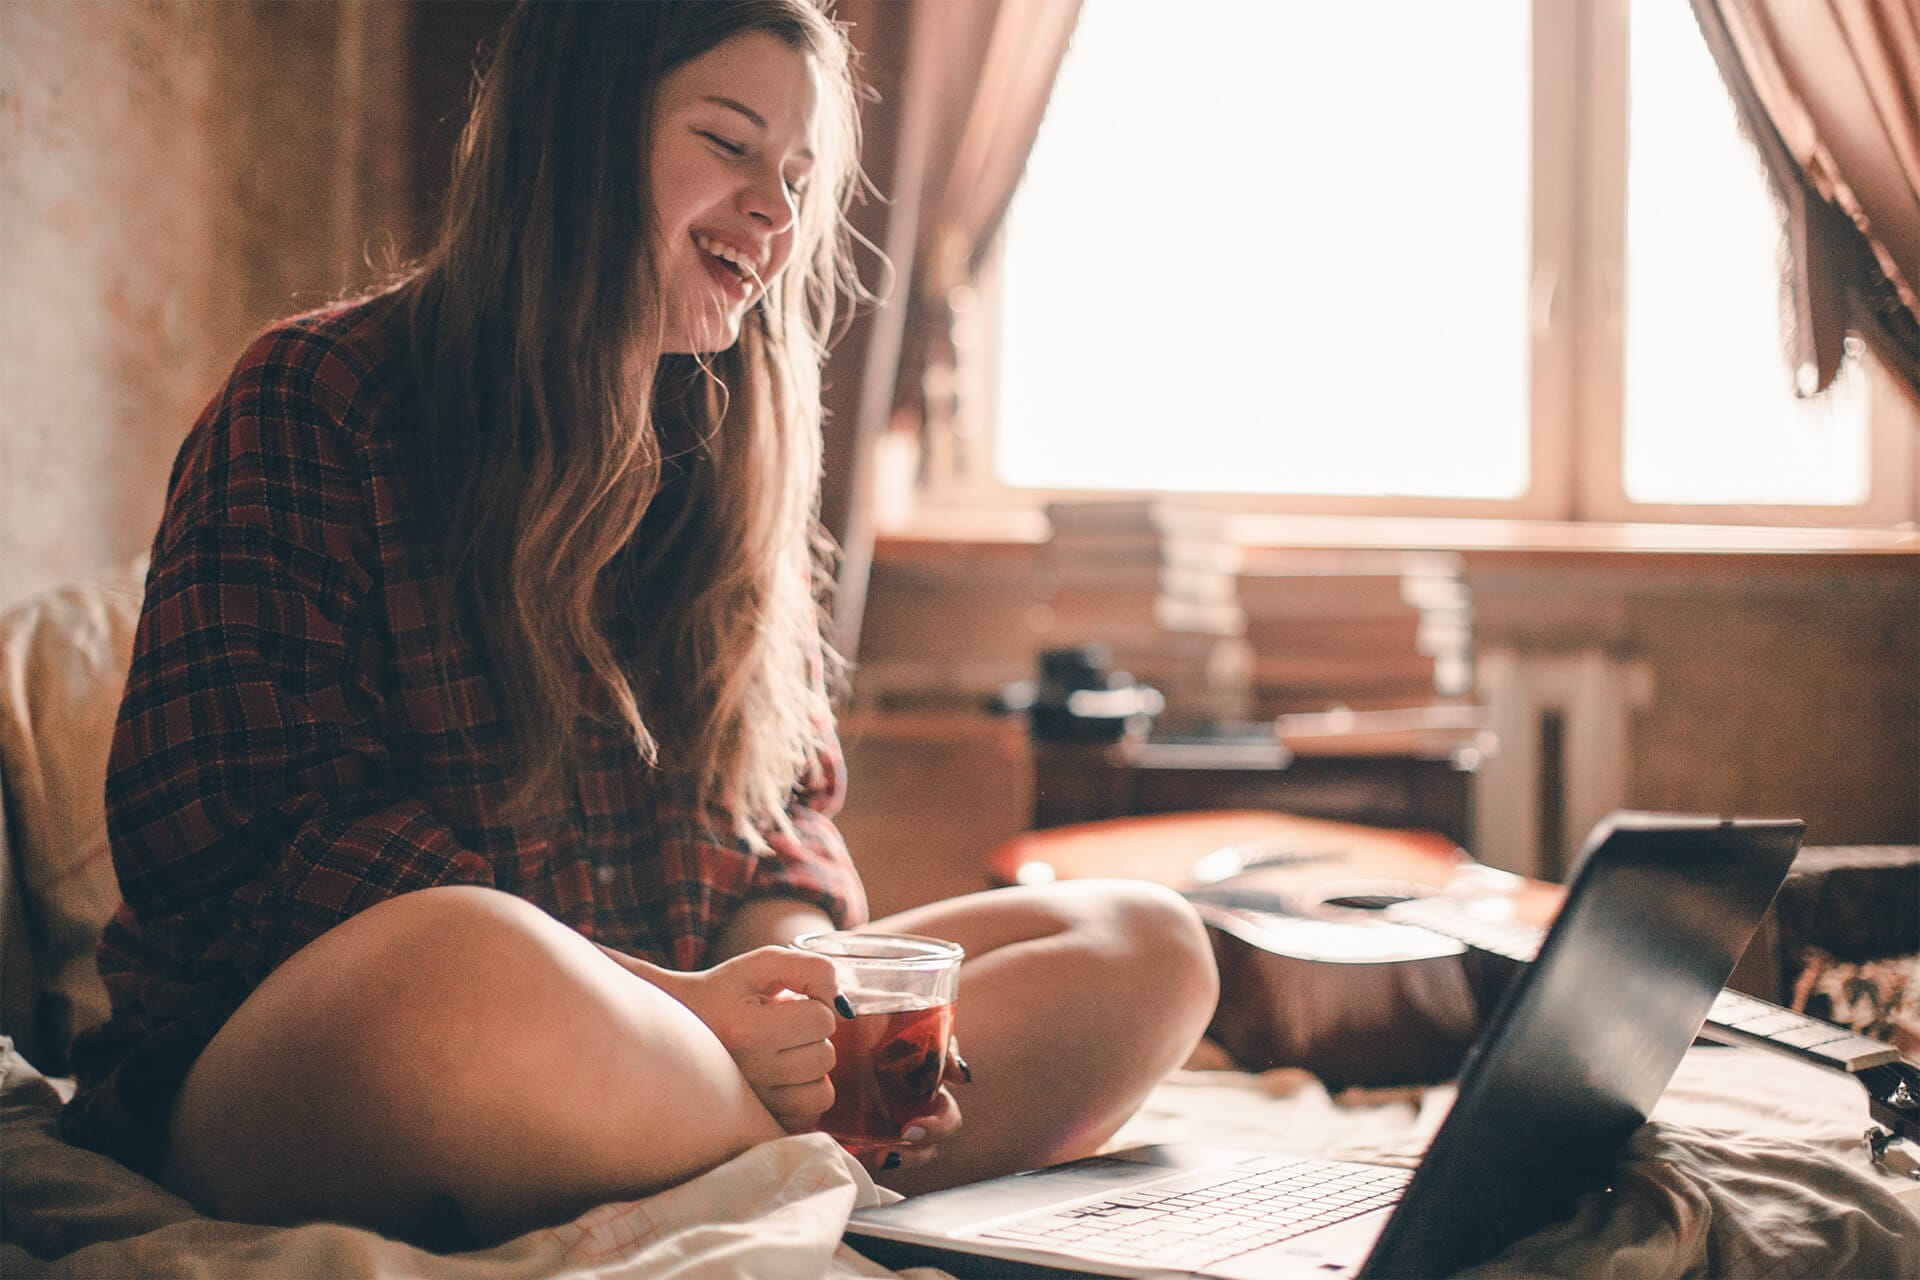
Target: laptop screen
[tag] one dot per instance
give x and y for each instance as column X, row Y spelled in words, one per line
column 1658, row 911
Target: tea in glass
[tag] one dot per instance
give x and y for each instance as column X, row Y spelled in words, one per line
column 890, row 1057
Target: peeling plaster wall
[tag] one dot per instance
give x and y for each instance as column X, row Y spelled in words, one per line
column 173, row 175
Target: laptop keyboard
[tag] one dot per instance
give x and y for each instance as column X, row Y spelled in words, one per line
column 1194, row 1227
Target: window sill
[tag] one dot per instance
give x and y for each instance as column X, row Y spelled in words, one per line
column 1484, row 540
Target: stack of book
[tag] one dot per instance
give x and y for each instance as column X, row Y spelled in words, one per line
column 1359, row 629
column 1154, row 582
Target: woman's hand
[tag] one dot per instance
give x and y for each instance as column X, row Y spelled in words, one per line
column 773, row 1009
column 925, row 1133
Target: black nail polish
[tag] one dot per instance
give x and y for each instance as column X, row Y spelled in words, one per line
column 960, row 1064
column 892, row 1161
column 844, row 1005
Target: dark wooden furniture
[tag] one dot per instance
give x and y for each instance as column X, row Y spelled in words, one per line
column 1352, row 767
column 1856, row 903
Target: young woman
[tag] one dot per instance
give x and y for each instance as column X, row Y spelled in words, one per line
column 476, row 759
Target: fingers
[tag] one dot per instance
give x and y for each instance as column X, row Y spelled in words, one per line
column 798, row 1065
column 788, row 1071
column 774, row 969
column 780, row 1024
column 957, row 1072
column 907, row 1158
column 922, row 1137
column 797, row 1107
column 937, row 1125
column 751, row 1014
column 789, row 1062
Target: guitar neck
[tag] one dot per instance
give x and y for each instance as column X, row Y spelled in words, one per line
column 1734, row 1019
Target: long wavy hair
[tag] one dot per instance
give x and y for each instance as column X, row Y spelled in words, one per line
column 551, row 418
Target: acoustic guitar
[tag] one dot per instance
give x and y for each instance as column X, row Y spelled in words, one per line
column 1372, row 957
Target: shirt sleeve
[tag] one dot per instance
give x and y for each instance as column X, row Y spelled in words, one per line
column 812, row 863
column 250, row 801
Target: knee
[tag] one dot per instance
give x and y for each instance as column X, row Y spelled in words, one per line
column 1160, row 939
column 463, row 930
column 467, row 961
column 450, row 911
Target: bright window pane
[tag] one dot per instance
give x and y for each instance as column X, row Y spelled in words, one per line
column 1710, row 416
column 1276, row 248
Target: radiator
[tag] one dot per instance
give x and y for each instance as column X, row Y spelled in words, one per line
column 1564, row 723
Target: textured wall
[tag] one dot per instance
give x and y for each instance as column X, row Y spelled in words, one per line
column 172, row 176
column 1781, row 686
column 1788, row 702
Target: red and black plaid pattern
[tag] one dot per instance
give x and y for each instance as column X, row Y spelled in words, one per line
column 300, row 740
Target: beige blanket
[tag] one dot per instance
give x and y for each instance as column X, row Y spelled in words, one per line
column 777, row 1211
column 1763, row 1181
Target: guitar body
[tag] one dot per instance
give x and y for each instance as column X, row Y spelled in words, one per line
column 1370, row 1013
column 1311, row 976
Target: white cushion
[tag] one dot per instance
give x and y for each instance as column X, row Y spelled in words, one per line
column 63, row 667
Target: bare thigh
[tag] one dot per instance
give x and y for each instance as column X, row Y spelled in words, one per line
column 454, row 1065
column 1075, row 999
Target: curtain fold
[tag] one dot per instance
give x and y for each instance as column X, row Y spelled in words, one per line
column 1829, row 90
column 960, row 91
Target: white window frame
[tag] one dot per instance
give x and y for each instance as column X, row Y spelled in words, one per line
column 1579, row 145
column 1893, row 424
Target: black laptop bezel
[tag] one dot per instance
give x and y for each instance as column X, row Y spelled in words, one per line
column 1719, row 875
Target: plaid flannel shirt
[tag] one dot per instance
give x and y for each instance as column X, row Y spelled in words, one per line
column 299, row 740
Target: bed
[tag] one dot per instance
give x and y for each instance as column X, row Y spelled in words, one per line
column 1752, row 1164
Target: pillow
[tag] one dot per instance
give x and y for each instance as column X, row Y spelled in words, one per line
column 63, row 667
column 1879, row 998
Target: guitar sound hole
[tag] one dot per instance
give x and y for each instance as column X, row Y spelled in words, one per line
column 1374, row 893
column 1365, row 901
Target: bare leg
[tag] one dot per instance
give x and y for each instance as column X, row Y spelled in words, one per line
column 1075, row 999
column 454, row 1059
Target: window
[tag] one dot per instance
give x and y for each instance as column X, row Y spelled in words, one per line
column 1707, row 414
column 1505, row 258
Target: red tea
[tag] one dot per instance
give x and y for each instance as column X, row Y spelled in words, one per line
column 887, row 1069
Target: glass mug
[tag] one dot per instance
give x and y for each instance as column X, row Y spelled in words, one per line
column 891, row 1055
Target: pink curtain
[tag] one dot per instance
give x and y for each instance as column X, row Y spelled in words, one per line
column 961, row 86
column 1830, row 92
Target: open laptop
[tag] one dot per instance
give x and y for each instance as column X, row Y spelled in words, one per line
column 1570, row 1063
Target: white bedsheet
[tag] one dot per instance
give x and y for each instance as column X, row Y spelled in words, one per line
column 1766, row 1181
column 775, row 1212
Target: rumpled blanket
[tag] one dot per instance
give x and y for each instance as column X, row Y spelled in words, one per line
column 1696, row 1202
column 776, row 1211
column 1750, row 1167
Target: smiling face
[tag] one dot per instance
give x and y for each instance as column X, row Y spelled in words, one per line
column 734, row 136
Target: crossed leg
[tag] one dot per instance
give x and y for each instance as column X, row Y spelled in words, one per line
column 450, row 1066
column 454, row 1065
